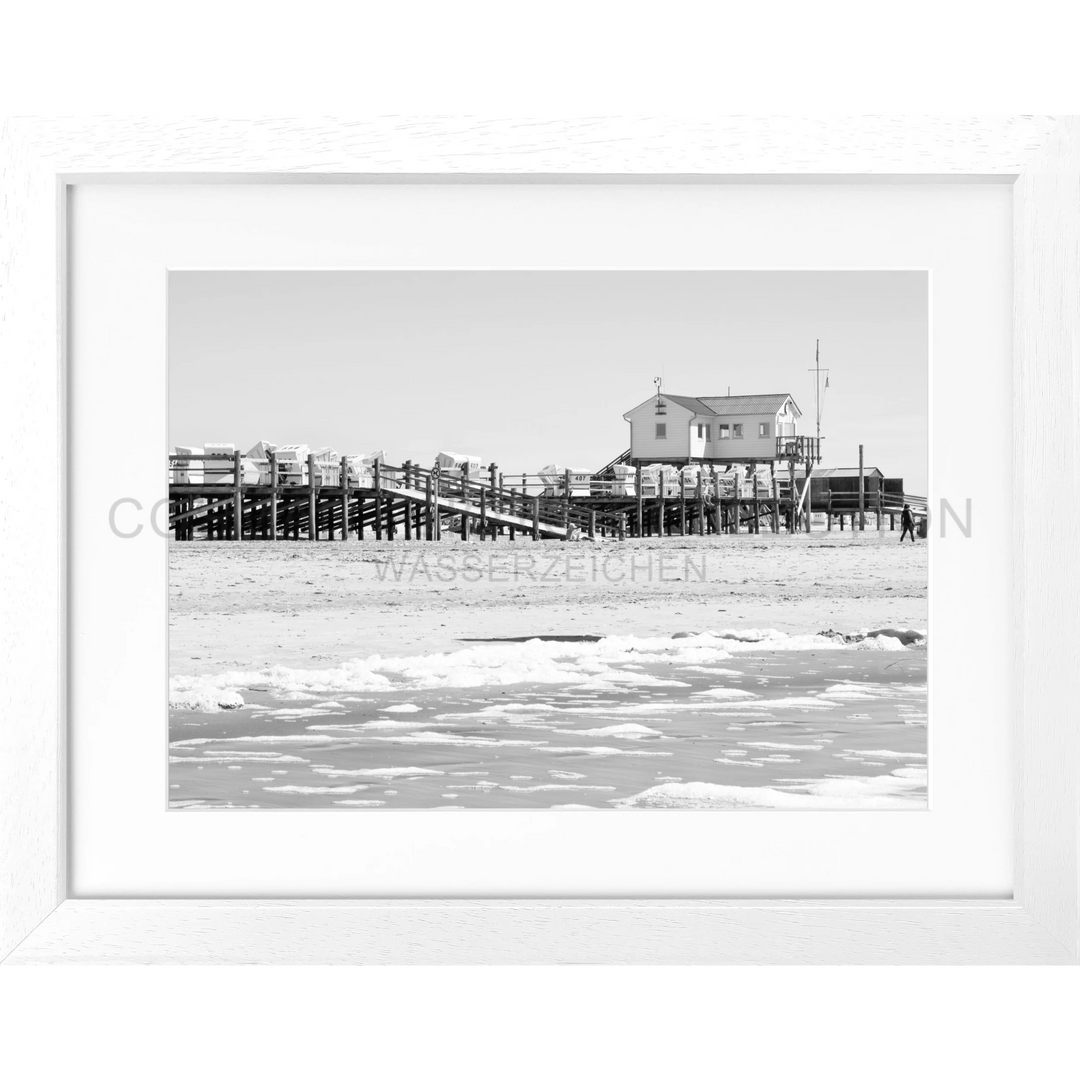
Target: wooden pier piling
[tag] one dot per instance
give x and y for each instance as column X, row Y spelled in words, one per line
column 792, row 498
column 313, row 522
column 378, row 500
column 566, row 504
column 862, row 493
column 639, row 491
column 273, row 495
column 238, row 497
column 344, row 498
column 418, row 519
column 434, row 516
column 465, row 501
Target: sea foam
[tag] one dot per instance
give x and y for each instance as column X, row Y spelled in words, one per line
column 599, row 665
column 902, row 789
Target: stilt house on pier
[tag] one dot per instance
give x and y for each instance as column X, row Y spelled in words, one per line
column 745, row 428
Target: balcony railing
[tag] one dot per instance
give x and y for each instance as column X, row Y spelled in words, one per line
column 798, row 448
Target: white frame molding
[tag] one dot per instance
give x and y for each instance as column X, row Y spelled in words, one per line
column 1039, row 156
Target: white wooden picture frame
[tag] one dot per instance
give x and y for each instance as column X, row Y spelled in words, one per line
column 1038, row 156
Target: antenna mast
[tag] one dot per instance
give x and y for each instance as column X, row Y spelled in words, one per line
column 817, row 385
column 817, row 369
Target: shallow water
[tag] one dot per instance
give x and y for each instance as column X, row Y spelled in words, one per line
column 828, row 728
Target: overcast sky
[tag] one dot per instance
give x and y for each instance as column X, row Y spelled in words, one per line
column 530, row 368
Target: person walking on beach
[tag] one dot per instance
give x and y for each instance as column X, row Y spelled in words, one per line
column 907, row 523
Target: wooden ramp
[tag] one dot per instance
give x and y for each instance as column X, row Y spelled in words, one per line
column 455, row 508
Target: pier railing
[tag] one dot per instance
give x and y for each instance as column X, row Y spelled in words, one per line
column 673, row 483
column 798, row 448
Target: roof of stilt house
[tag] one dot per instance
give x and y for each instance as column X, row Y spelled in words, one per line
column 731, row 404
column 746, row 404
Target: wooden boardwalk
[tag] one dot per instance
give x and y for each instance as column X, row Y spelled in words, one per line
column 406, row 502
column 215, row 497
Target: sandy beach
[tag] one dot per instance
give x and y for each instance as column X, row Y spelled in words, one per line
column 307, row 604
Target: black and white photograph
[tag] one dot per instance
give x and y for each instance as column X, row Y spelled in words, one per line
column 505, row 411
column 574, row 540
